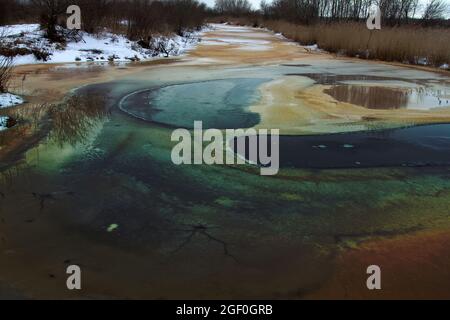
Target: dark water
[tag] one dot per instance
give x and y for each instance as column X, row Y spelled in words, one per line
column 220, row 104
column 411, row 147
column 325, row 78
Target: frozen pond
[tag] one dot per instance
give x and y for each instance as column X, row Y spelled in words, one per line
column 220, row 104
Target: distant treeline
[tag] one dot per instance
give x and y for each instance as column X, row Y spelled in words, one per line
column 140, row 17
column 306, row 12
column 136, row 18
column 394, row 12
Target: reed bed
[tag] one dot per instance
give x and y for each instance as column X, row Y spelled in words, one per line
column 406, row 44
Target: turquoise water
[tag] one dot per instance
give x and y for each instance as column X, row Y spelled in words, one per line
column 220, row 104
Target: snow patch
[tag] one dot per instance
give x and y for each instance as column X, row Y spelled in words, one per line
column 106, row 46
column 230, row 28
column 18, row 29
column 313, row 47
column 212, row 43
column 9, row 100
column 422, row 61
column 255, row 48
column 241, row 41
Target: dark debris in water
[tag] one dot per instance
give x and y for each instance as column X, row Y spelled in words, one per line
column 202, row 230
column 45, row 197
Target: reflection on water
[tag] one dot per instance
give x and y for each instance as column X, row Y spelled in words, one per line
column 370, row 97
column 69, row 122
column 72, row 119
column 377, row 97
column 383, row 92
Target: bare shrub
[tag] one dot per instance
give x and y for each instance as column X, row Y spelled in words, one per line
column 95, row 13
column 233, row 7
column 435, row 9
column 146, row 18
column 6, row 68
column 8, row 11
column 164, row 46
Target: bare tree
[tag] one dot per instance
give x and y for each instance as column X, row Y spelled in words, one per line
column 394, row 12
column 233, row 7
column 145, row 18
column 265, row 8
column 50, row 12
column 434, row 10
column 184, row 14
column 5, row 6
column 94, row 13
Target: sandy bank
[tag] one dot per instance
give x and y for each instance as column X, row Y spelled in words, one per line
column 298, row 106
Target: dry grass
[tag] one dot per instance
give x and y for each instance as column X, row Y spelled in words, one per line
column 408, row 44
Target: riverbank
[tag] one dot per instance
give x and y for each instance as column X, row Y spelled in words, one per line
column 406, row 44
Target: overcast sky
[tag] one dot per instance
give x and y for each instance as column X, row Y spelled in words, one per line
column 256, row 3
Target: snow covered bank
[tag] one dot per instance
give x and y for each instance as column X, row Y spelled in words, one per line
column 314, row 48
column 9, row 100
column 27, row 43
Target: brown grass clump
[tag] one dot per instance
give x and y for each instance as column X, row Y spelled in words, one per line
column 406, row 44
